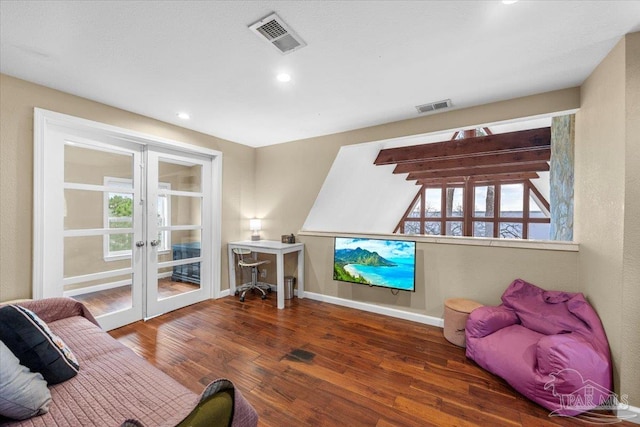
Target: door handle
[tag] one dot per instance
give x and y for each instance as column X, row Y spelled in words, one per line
column 140, row 243
column 154, row 242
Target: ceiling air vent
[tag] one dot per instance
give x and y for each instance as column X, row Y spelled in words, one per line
column 274, row 31
column 433, row 106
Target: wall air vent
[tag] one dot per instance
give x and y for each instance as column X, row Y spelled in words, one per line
column 433, row 106
column 274, row 31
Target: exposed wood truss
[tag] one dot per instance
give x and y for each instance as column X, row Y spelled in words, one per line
column 490, row 157
column 478, row 179
column 480, row 170
column 466, row 162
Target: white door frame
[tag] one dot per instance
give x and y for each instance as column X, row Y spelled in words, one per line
column 46, row 123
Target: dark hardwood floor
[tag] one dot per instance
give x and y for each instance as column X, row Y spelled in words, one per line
column 110, row 300
column 318, row 364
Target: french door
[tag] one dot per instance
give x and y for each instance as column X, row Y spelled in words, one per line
column 94, row 259
column 126, row 226
column 176, row 266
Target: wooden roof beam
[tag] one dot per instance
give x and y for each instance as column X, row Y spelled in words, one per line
column 531, row 155
column 505, row 177
column 499, row 143
column 483, row 170
column 458, row 180
column 480, row 179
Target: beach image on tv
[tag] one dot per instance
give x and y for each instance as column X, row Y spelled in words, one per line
column 376, row 262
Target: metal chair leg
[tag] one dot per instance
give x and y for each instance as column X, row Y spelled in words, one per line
column 251, row 286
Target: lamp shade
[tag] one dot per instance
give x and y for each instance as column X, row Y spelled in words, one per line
column 255, row 225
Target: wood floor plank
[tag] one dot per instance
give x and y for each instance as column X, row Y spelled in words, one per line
column 431, row 413
column 479, row 414
column 317, row 364
column 386, row 414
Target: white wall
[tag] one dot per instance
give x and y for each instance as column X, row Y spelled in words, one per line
column 354, row 192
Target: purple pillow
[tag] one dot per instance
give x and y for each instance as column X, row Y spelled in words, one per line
column 542, row 311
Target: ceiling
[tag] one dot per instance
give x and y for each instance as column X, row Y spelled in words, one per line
column 365, row 63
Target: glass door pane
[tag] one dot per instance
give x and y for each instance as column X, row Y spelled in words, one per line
column 179, row 270
column 102, row 222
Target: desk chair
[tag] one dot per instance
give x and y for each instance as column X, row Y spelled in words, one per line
column 246, row 261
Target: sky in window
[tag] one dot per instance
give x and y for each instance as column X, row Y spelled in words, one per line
column 511, row 197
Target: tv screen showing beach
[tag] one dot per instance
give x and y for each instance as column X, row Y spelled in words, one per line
column 375, row 262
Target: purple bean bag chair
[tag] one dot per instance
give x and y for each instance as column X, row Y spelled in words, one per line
column 549, row 345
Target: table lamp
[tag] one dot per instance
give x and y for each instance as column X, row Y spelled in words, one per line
column 255, row 226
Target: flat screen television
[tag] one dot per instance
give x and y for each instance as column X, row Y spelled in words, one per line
column 375, row 262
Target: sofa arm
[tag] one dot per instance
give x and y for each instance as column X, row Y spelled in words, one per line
column 556, row 353
column 486, row 320
column 52, row 309
column 572, row 370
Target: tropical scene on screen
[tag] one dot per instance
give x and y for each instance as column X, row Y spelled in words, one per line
column 389, row 263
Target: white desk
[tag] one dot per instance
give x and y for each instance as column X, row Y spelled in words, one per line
column 270, row 247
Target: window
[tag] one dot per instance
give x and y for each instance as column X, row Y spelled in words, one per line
column 509, row 210
column 118, row 211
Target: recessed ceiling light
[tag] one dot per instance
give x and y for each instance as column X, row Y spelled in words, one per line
column 184, row 116
column 509, row 1
column 283, row 77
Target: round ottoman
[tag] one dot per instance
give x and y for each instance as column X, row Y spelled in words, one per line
column 456, row 312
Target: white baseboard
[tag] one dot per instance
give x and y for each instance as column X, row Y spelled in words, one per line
column 387, row 311
column 628, row 413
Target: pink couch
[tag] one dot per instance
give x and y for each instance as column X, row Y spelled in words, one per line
column 113, row 383
column 549, row 345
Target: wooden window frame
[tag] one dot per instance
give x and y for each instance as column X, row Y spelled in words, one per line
column 468, row 203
